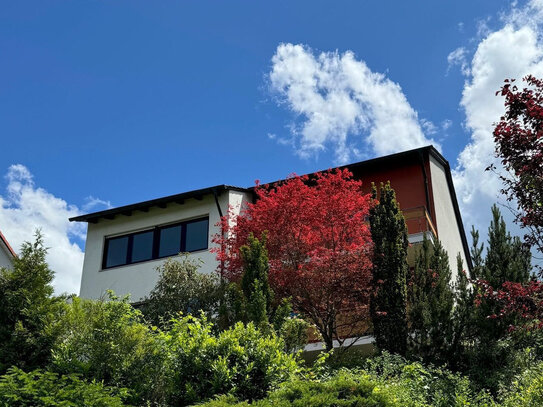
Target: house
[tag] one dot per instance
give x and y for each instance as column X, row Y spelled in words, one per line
column 7, row 254
column 124, row 245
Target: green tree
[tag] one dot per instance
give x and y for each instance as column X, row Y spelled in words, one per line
column 462, row 318
column 26, row 306
column 254, row 282
column 507, row 258
column 489, row 350
column 181, row 288
column 389, row 301
column 431, row 302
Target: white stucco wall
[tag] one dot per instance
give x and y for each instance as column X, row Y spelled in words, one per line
column 447, row 227
column 139, row 279
column 5, row 256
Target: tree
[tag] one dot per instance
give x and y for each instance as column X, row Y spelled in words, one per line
column 389, row 300
column 27, row 305
column 519, row 144
column 507, row 258
column 319, row 248
column 431, row 302
column 254, row 282
column 181, row 288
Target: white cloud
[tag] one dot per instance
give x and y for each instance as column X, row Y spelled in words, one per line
column 341, row 104
column 25, row 208
column 446, row 124
column 512, row 51
column 94, row 204
column 458, row 57
column 428, row 127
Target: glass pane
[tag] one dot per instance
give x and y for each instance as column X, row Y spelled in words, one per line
column 196, row 235
column 116, row 251
column 170, row 241
column 142, row 246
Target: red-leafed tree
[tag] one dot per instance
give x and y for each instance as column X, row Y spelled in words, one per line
column 319, row 248
column 519, row 143
column 523, row 301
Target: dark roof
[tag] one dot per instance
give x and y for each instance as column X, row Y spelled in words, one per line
column 404, row 156
column 6, row 243
column 160, row 202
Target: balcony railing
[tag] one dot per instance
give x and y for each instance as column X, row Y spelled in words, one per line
column 418, row 221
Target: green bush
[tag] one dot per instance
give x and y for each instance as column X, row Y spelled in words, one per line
column 107, row 341
column 38, row 388
column 526, row 390
column 239, row 361
column 181, row 288
column 342, row 389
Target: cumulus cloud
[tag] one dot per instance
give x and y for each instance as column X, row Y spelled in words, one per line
column 512, row 51
column 24, row 207
column 342, row 105
column 458, row 57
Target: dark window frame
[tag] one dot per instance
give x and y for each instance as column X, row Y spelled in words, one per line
column 156, row 242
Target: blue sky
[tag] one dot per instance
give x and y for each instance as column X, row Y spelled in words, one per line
column 109, row 103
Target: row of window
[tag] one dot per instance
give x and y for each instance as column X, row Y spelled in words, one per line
column 156, row 243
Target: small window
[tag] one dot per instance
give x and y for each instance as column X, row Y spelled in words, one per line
column 196, row 235
column 142, row 246
column 117, row 251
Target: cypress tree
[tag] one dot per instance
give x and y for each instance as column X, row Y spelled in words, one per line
column 254, row 283
column 431, row 302
column 389, row 299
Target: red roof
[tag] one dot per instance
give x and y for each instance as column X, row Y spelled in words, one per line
column 5, row 241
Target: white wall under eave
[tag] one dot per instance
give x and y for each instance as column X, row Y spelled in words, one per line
column 6, row 258
column 447, row 226
column 139, row 279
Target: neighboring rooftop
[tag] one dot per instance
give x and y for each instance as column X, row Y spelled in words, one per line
column 6, row 244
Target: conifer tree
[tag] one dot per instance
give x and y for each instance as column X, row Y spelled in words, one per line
column 389, row 300
column 254, row 283
column 431, row 301
column 27, row 305
column 462, row 314
column 507, row 258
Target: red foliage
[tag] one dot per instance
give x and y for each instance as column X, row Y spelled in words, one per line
column 318, row 240
column 519, row 144
column 524, row 301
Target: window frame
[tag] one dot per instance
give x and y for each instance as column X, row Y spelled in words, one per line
column 156, row 242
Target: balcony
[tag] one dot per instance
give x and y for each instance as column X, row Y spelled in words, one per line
column 419, row 224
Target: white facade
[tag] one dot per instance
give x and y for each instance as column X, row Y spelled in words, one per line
column 6, row 254
column 140, row 278
column 446, row 220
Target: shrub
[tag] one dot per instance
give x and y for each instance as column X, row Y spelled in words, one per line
column 240, row 361
column 526, row 390
column 38, row 388
column 342, row 389
column 181, row 288
column 107, row 341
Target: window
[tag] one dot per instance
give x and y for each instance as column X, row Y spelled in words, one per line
column 162, row 241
